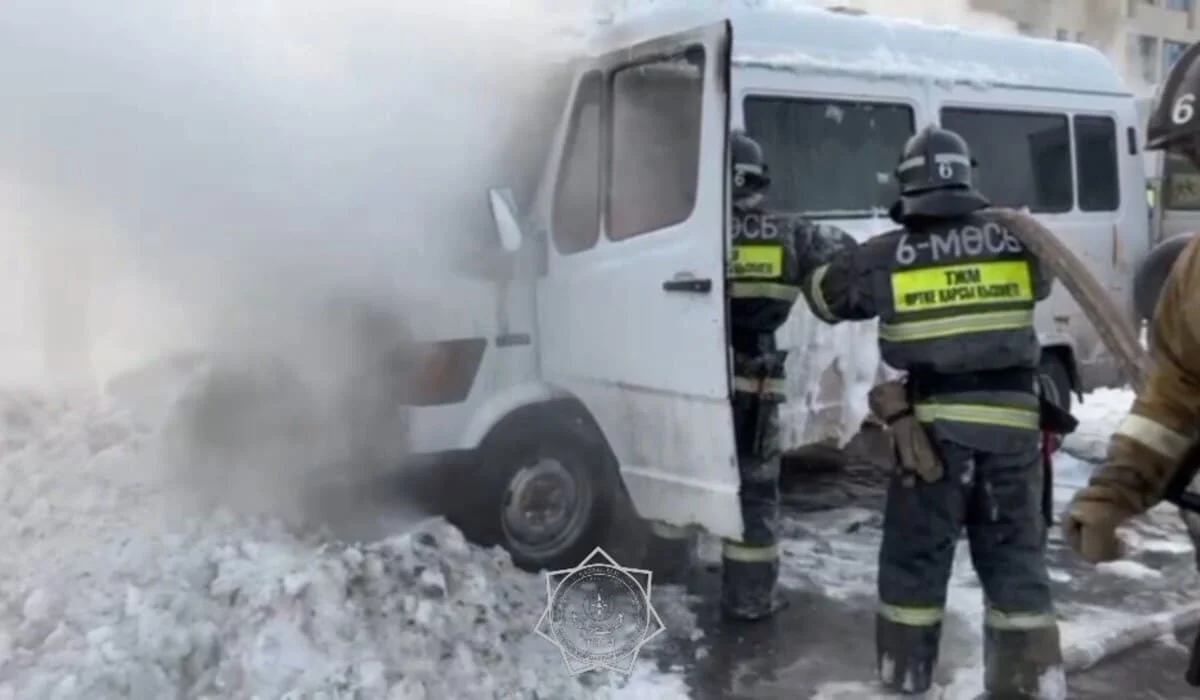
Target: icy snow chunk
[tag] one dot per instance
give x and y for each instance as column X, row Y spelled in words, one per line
column 1060, row 576
column 1128, row 568
column 1099, row 414
column 39, row 605
column 1164, row 546
column 432, row 583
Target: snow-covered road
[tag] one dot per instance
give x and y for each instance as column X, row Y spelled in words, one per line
column 112, row 586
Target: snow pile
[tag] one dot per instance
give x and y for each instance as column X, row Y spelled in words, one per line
column 1099, row 414
column 108, row 589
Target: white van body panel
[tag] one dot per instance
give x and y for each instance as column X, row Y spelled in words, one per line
column 819, row 54
column 651, row 365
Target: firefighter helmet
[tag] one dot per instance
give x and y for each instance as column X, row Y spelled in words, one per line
column 934, row 175
column 1174, row 123
column 750, row 175
column 934, row 159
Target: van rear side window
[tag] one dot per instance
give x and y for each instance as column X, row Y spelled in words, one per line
column 1096, row 163
column 1024, row 157
column 829, row 158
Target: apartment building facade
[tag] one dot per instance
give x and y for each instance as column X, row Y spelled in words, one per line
column 1142, row 37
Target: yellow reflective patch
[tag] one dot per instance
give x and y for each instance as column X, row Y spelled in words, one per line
column 1020, row 418
column 751, row 554
column 999, row 620
column 959, row 285
column 763, row 290
column 756, row 262
column 979, row 322
column 911, row 616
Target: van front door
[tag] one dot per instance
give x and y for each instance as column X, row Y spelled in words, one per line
column 631, row 312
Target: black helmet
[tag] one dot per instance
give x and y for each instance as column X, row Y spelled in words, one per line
column 1174, row 123
column 1151, row 274
column 934, row 159
column 934, row 174
column 750, row 176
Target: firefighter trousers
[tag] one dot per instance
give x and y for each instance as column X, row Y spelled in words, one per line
column 997, row 497
column 750, row 566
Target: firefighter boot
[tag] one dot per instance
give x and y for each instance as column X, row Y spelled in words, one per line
column 748, row 578
column 670, row 553
column 906, row 655
column 1023, row 664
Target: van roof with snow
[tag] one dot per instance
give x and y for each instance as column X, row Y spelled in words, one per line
column 821, row 40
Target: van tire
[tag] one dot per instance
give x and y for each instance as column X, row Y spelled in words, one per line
column 542, row 450
column 1054, row 380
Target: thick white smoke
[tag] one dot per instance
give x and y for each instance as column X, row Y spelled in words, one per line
column 241, row 176
column 252, row 155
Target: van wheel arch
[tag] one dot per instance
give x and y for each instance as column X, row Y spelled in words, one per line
column 1067, row 373
column 554, row 446
column 1058, row 377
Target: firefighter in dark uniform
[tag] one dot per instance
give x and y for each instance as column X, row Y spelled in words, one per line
column 763, row 280
column 954, row 293
column 763, row 283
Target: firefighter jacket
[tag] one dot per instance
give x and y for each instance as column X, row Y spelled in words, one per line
column 764, row 272
column 955, row 302
column 1165, row 417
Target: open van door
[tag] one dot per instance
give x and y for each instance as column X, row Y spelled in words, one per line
column 631, row 312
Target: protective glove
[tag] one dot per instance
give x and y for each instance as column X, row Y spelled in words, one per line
column 1090, row 525
column 889, row 402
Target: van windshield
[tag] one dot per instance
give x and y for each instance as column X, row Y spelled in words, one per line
column 829, row 158
column 1181, row 184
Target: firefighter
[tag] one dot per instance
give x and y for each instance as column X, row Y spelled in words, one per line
column 1164, row 420
column 763, row 285
column 954, row 292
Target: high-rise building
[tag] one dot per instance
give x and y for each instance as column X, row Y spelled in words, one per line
column 1142, row 37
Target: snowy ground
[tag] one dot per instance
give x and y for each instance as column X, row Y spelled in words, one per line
column 823, row 648
column 111, row 587
column 1098, row 416
column 114, row 587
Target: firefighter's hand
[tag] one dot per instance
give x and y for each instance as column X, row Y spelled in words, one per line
column 1090, row 526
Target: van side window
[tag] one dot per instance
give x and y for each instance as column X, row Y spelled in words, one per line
column 655, row 166
column 1181, row 184
column 829, row 157
column 1024, row 157
column 1096, row 163
column 576, row 213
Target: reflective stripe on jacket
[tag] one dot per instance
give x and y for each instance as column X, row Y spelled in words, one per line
column 956, row 298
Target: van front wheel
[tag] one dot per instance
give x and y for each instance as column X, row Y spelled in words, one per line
column 1054, row 383
column 545, row 493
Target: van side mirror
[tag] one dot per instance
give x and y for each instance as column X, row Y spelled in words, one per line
column 504, row 211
